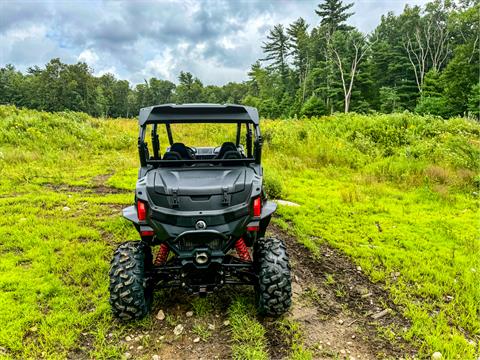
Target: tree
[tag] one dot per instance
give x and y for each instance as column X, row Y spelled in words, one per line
column 189, row 89
column 160, row 91
column 389, row 99
column 276, row 50
column 432, row 84
column 389, row 64
column 461, row 72
column 428, row 43
column 10, row 85
column 298, row 44
column 349, row 48
column 333, row 14
column 474, row 101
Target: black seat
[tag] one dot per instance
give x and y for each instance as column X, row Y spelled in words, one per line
column 171, row 155
column 182, row 151
column 232, row 155
column 226, row 146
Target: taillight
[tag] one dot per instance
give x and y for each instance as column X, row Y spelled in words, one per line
column 257, row 207
column 141, row 210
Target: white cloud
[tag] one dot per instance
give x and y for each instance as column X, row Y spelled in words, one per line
column 108, row 70
column 31, row 31
column 89, row 56
column 163, row 66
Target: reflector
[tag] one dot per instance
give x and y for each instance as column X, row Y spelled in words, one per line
column 257, row 207
column 141, row 210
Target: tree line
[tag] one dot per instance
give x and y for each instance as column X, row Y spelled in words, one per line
column 425, row 60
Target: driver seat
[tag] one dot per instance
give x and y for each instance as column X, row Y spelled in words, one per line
column 226, row 147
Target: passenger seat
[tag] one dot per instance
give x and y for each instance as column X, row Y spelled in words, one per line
column 228, row 148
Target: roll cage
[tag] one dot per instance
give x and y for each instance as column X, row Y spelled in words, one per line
column 198, row 113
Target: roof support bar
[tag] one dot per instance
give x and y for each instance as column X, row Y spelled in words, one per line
column 239, row 130
column 155, row 142
column 169, row 133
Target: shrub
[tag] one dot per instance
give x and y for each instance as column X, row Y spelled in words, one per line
column 434, row 106
column 313, row 107
column 272, row 185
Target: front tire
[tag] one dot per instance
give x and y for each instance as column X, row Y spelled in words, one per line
column 130, row 293
column 274, row 289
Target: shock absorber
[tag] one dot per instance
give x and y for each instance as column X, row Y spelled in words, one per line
column 242, row 250
column 162, row 255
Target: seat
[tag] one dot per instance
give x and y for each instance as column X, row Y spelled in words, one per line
column 172, row 155
column 226, row 146
column 182, row 151
column 232, row 154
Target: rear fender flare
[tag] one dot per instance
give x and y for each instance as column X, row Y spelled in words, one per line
column 130, row 213
column 268, row 208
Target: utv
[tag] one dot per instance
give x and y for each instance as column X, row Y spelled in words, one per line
column 205, row 209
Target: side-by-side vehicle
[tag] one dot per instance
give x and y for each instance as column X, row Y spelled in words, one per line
column 205, row 210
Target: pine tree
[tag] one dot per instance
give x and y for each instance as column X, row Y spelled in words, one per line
column 298, row 44
column 299, row 50
column 276, row 50
column 334, row 15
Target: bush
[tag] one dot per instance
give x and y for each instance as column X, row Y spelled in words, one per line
column 434, row 106
column 313, row 107
column 474, row 101
column 272, row 185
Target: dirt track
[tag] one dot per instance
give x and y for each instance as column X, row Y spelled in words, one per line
column 338, row 308
column 333, row 302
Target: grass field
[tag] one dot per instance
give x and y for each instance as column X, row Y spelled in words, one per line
column 397, row 193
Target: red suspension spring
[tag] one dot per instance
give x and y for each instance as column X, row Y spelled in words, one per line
column 242, row 250
column 162, row 255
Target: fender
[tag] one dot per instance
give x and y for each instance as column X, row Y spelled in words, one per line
column 268, row 209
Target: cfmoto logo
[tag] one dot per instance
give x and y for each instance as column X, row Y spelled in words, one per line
column 201, row 225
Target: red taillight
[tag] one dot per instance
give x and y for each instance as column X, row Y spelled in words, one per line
column 257, row 207
column 141, row 210
column 253, row 228
column 146, row 233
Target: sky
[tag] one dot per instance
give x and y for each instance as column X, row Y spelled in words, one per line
column 217, row 40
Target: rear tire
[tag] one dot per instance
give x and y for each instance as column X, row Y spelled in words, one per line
column 274, row 289
column 130, row 293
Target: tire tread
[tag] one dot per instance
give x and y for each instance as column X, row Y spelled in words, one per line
column 129, row 296
column 274, row 291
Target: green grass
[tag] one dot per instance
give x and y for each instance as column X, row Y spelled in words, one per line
column 426, row 207
column 293, row 333
column 415, row 178
column 202, row 306
column 248, row 335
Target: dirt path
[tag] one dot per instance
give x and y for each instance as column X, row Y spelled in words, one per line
column 204, row 331
column 338, row 309
column 334, row 304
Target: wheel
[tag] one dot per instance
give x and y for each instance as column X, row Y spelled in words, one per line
column 130, row 293
column 273, row 292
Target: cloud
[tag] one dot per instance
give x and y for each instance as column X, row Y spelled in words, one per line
column 89, row 56
column 215, row 40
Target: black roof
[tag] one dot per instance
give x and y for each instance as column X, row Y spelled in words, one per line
column 173, row 113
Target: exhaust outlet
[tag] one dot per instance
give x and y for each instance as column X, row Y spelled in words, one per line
column 201, row 258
